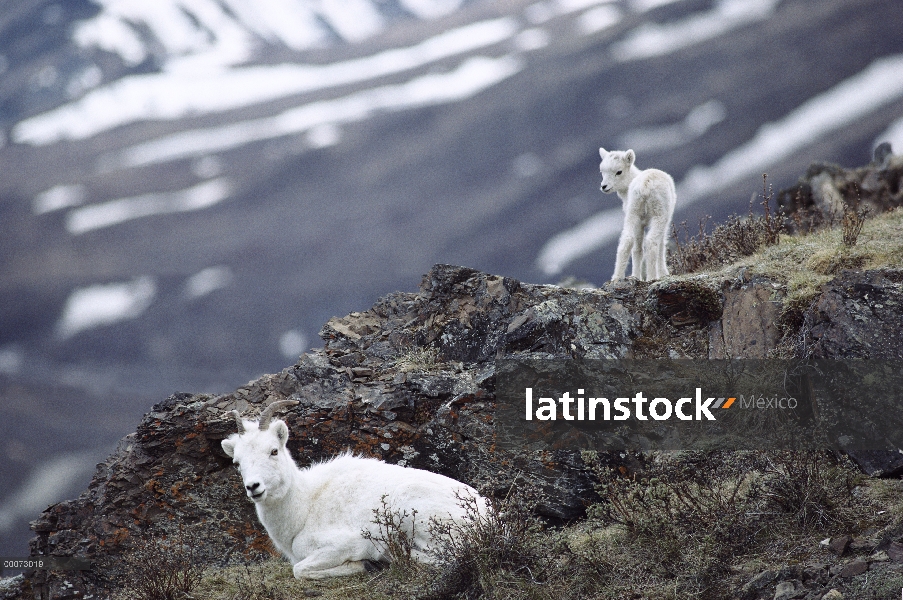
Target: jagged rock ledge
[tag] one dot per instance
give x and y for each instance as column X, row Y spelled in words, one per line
column 411, row 381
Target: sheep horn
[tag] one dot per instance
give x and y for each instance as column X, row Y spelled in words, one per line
column 238, row 421
column 267, row 415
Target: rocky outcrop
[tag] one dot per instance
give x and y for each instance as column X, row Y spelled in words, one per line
column 853, row 314
column 411, row 381
column 827, row 191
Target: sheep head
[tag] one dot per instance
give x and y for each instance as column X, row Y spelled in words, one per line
column 260, row 453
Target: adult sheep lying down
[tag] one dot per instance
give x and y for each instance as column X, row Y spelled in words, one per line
column 316, row 516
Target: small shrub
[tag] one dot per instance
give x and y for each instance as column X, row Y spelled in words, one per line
column 687, row 514
column 810, row 488
column 853, row 220
column 728, row 242
column 396, row 529
column 161, row 568
column 491, row 554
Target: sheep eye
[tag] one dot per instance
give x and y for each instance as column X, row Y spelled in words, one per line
column 274, row 452
column 235, row 462
column 619, row 172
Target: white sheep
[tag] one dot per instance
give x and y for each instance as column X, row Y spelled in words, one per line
column 316, row 516
column 648, row 197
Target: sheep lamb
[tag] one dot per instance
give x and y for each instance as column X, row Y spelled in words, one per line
column 317, row 516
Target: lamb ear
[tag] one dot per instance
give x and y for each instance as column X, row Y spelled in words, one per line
column 281, row 430
column 228, row 445
column 603, row 152
column 630, row 156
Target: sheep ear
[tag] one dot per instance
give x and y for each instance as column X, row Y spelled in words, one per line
column 602, row 152
column 630, row 156
column 228, row 445
column 281, row 430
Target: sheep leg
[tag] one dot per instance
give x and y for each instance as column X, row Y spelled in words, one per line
column 654, row 249
column 335, row 559
column 637, row 257
column 629, row 244
column 329, row 563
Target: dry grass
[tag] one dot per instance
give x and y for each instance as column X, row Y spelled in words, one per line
column 727, row 242
column 273, row 580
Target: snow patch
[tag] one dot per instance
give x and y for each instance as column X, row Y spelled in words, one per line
column 207, row 167
column 137, row 30
column 11, row 360
column 532, row 39
column 99, row 305
column 879, row 84
column 86, row 79
column 193, row 88
column 292, row 343
column 114, row 212
column 667, row 137
column 431, row 9
column 654, row 39
column 526, row 165
column 47, row 484
column 599, row 19
column 563, row 7
column 470, row 78
column 207, row 281
column 59, row 197
column 323, row 136
column 294, row 23
column 353, row 20
column 540, row 12
column 590, row 235
column 642, row 6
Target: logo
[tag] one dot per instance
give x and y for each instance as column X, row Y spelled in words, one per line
column 582, row 408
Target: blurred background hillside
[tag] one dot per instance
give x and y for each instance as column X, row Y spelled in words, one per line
column 189, row 189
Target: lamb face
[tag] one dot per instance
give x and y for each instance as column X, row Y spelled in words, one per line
column 615, row 169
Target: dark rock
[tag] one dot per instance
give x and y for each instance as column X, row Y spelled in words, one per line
column 788, row 590
column 687, row 302
column 857, row 567
column 840, row 545
column 876, row 463
column 857, row 315
column 757, row 584
column 827, row 191
column 895, row 552
column 882, row 152
column 749, row 323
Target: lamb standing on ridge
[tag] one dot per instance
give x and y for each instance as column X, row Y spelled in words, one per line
column 316, row 516
column 648, row 197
